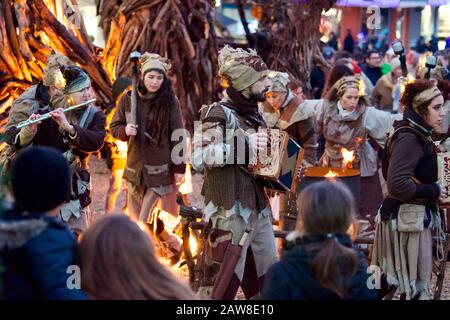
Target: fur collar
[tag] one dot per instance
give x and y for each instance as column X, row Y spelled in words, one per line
column 15, row 233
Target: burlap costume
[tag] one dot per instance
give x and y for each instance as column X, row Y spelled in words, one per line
column 30, row 101
column 233, row 200
column 150, row 171
column 350, row 130
column 89, row 126
column 298, row 121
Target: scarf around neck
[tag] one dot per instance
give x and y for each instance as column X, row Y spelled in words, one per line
column 245, row 108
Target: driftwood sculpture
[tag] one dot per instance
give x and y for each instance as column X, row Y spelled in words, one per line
column 29, row 31
column 179, row 30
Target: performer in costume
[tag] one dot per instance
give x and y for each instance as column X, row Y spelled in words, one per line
column 150, row 171
column 403, row 241
column 235, row 203
column 76, row 134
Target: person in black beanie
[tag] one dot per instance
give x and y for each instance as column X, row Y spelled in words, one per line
column 40, row 180
column 36, row 250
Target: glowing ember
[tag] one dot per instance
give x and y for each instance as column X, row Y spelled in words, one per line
column 348, row 156
column 331, row 174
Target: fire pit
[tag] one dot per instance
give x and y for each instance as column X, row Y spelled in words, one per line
column 350, row 177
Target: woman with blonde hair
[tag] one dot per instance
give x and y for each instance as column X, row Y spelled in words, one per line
column 322, row 263
column 347, row 121
column 119, row 263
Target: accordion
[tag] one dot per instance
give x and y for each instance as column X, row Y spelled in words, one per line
column 443, row 160
column 277, row 169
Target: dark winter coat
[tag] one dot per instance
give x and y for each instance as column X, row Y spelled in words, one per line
column 35, row 253
column 292, row 279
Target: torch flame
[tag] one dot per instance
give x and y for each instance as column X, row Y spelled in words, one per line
column 348, row 157
column 330, row 174
column 404, row 82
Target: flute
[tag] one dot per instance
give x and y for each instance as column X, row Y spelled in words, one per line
column 47, row 115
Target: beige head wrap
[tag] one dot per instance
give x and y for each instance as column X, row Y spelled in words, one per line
column 349, row 82
column 154, row 61
column 241, row 68
column 279, row 81
column 426, row 95
column 52, row 74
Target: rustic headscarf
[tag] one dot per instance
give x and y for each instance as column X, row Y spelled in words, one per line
column 154, row 61
column 279, row 81
column 349, row 82
column 426, row 95
column 241, row 68
column 52, row 75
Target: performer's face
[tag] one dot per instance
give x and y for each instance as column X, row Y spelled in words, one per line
column 80, row 96
column 259, row 89
column 435, row 114
column 350, row 99
column 153, row 80
column 275, row 99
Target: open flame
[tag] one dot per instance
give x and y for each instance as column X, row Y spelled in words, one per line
column 186, row 185
column 331, row 174
column 404, row 82
column 193, row 244
column 348, row 157
column 122, row 147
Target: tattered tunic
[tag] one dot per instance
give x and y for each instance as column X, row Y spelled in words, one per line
column 350, row 131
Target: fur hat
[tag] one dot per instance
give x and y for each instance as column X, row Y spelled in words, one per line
column 52, row 75
column 241, row 68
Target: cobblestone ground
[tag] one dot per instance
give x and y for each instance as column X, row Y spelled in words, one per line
column 100, row 185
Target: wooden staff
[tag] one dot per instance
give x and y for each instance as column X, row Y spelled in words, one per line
column 134, row 57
